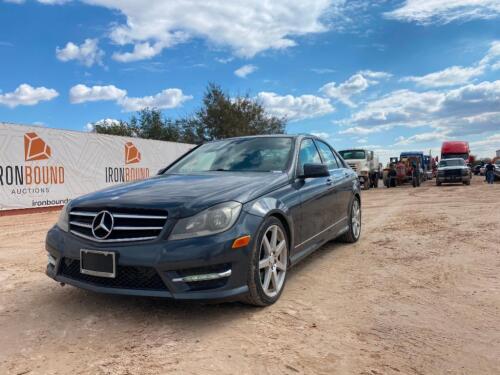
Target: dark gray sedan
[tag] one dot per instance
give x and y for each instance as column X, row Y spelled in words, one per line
column 225, row 221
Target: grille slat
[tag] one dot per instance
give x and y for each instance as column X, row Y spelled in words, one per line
column 129, row 224
column 127, row 277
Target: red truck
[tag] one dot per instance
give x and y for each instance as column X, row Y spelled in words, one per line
column 456, row 149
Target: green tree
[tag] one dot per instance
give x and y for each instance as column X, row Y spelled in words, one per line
column 113, row 128
column 220, row 116
column 223, row 117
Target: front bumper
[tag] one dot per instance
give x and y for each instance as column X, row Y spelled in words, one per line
column 156, row 268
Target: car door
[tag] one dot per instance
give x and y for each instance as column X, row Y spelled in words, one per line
column 315, row 196
column 337, row 178
column 345, row 182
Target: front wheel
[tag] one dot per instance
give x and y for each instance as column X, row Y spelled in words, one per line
column 268, row 264
column 353, row 233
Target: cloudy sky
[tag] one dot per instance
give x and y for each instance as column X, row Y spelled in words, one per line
column 386, row 74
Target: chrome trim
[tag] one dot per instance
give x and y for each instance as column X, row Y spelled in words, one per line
column 112, row 240
column 202, row 277
column 124, row 228
column 84, row 271
column 323, row 231
column 83, row 225
column 137, row 228
column 134, row 216
column 83, row 213
column 51, row 260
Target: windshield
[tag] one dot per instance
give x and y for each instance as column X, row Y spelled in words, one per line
column 497, row 162
column 452, row 163
column 352, row 154
column 238, row 155
column 451, row 156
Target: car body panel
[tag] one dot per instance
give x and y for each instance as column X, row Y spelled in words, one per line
column 314, row 210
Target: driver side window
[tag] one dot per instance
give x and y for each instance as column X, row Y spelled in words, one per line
column 308, row 154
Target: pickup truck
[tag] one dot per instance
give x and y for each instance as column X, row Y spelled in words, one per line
column 453, row 170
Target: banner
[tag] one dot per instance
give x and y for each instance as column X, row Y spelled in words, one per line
column 41, row 167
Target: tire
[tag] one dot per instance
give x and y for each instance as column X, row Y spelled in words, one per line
column 438, row 183
column 352, row 235
column 262, row 290
column 467, row 182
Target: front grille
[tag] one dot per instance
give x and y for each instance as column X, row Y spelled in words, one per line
column 127, row 277
column 129, row 224
column 353, row 166
column 453, row 173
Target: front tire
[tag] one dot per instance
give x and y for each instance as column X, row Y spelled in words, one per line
column 268, row 264
column 354, row 232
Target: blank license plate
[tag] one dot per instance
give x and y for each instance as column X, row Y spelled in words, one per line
column 98, row 263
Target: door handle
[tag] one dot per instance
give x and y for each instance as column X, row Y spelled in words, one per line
column 329, row 181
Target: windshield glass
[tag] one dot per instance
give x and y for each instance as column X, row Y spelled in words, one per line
column 497, row 162
column 238, row 155
column 452, row 163
column 352, row 154
column 451, row 156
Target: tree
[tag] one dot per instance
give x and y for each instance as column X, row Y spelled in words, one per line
column 113, row 128
column 223, row 117
column 220, row 116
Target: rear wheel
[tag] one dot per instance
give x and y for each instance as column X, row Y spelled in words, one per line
column 353, row 233
column 268, row 265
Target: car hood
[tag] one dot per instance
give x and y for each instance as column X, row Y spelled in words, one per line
column 452, row 167
column 184, row 195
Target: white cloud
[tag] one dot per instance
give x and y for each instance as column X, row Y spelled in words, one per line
column 26, row 94
column 362, row 141
column 359, row 130
column 323, row 135
column 245, row 70
column 295, row 108
column 452, row 76
column 445, row 11
column 435, row 136
column 88, row 53
column 459, row 75
column 470, row 109
column 355, row 85
column 166, row 99
column 246, row 27
column 322, row 70
column 81, row 93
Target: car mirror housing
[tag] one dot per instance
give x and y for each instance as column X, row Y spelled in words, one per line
column 315, row 170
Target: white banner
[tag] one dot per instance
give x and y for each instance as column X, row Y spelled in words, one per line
column 42, row 167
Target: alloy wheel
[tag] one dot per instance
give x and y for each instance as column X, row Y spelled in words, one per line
column 273, row 260
column 356, row 219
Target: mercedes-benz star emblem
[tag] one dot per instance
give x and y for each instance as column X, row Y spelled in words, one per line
column 102, row 226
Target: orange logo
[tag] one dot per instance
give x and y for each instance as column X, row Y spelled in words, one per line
column 35, row 148
column 132, row 154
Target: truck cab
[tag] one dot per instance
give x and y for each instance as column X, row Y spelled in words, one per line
column 366, row 165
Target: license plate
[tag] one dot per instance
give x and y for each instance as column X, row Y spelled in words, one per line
column 98, row 263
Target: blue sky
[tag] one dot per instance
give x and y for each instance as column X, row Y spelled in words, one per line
column 388, row 75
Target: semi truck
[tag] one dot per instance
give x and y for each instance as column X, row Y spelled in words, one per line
column 456, row 149
column 365, row 163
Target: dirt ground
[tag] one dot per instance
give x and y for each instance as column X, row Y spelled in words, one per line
column 418, row 294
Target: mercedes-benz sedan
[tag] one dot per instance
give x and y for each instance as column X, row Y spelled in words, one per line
column 225, row 221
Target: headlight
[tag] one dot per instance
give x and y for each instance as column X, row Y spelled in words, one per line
column 465, row 172
column 63, row 221
column 213, row 220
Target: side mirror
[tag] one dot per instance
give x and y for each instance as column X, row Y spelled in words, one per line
column 315, row 170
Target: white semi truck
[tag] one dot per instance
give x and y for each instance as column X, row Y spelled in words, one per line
column 365, row 163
